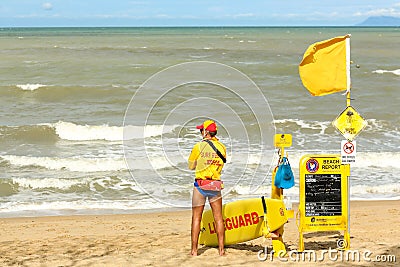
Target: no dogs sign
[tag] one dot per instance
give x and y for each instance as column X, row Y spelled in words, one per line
column 348, row 152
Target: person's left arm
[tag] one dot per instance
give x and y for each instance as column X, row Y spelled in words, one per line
column 192, row 161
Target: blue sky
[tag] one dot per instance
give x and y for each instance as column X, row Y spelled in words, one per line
column 192, row 13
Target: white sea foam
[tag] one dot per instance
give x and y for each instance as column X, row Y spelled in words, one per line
column 71, row 164
column 160, row 162
column 315, row 125
column 46, row 183
column 250, row 62
column 386, row 189
column 197, row 56
column 357, row 192
column 30, row 87
column 79, row 206
column 373, row 124
column 396, row 72
column 251, row 190
column 91, row 164
column 66, row 183
column 71, row 131
column 377, row 159
column 254, row 159
column 75, row 132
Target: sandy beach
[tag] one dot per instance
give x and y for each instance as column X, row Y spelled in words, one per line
column 163, row 239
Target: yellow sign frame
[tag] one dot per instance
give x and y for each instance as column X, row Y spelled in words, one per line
column 349, row 123
column 316, row 173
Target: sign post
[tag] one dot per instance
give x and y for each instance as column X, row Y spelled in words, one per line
column 280, row 141
column 324, row 198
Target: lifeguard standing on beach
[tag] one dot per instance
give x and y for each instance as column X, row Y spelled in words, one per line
column 207, row 158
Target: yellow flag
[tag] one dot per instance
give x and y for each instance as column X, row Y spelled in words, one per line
column 325, row 68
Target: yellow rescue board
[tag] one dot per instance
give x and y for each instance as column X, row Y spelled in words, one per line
column 243, row 220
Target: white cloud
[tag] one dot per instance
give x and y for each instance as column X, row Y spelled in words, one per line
column 391, row 11
column 383, row 12
column 308, row 17
column 163, row 16
column 215, row 9
column 236, row 16
column 139, row 3
column 245, row 15
column 47, row 6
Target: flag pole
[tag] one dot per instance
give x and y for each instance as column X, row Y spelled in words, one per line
column 348, row 99
column 348, row 62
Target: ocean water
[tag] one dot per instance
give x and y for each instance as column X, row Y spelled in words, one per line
column 102, row 120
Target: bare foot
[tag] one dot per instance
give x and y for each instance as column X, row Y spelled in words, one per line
column 193, row 253
column 222, row 253
column 274, row 234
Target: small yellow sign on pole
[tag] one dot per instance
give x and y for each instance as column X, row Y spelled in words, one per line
column 349, row 123
column 283, row 140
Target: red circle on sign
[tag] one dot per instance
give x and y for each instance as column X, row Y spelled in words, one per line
column 312, row 165
column 348, row 148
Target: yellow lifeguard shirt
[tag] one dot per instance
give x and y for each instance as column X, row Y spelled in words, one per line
column 208, row 164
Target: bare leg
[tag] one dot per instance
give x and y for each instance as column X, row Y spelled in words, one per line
column 198, row 201
column 216, row 206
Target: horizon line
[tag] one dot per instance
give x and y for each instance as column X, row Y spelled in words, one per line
column 212, row 26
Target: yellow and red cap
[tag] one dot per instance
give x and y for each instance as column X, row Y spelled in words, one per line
column 209, row 125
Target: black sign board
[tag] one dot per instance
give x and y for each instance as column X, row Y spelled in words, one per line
column 323, row 196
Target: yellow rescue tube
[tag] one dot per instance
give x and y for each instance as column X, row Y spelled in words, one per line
column 243, row 220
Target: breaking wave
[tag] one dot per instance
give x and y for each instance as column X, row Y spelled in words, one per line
column 76, row 132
